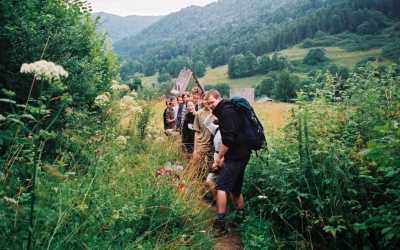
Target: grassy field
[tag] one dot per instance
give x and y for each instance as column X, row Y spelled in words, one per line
column 336, row 55
column 149, row 80
column 273, row 115
column 220, row 75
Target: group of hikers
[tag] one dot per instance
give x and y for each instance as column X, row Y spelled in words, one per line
column 214, row 140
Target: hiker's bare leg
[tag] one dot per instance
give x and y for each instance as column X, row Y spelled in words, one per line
column 222, row 199
column 238, row 201
column 211, row 187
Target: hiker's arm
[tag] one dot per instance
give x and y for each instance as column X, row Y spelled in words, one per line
column 221, row 154
column 229, row 127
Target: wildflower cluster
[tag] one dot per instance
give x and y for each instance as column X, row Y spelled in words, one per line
column 129, row 105
column 44, row 70
column 120, row 88
column 121, row 141
column 102, row 100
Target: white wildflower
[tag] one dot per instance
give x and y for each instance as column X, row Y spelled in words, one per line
column 44, row 70
column 129, row 105
column 133, row 94
column 121, row 140
column 69, row 111
column 102, row 100
column 120, row 88
column 10, row 200
column 262, row 197
column 127, row 101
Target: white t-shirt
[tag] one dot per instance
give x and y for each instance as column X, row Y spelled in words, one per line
column 217, row 140
column 214, row 129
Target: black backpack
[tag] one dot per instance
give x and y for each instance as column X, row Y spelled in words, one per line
column 253, row 131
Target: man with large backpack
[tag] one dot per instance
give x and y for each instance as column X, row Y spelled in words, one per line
column 241, row 132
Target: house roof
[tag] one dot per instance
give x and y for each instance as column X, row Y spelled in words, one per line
column 183, row 80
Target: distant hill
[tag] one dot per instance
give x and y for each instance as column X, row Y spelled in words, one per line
column 119, row 27
column 214, row 33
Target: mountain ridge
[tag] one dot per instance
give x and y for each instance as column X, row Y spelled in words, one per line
column 120, row 27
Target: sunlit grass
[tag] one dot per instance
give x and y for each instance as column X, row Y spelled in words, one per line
column 335, row 54
column 220, row 75
column 273, row 115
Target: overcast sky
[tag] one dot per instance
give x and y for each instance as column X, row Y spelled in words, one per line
column 144, row 7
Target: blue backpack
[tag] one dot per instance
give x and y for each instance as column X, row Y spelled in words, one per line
column 253, row 131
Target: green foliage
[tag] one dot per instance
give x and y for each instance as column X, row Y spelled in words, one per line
column 65, row 169
column 164, row 77
column 143, row 122
column 242, row 65
column 280, row 86
column 135, row 83
column 276, row 62
column 199, row 68
column 339, row 71
column 223, row 88
column 392, row 50
column 175, row 65
column 368, row 27
column 331, row 181
column 216, row 33
column 315, row 56
column 129, row 68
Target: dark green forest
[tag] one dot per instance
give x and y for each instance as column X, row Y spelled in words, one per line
column 213, row 34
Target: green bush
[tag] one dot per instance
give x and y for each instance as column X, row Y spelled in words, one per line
column 331, row 181
column 242, row 65
column 315, row 56
column 392, row 50
column 280, row 86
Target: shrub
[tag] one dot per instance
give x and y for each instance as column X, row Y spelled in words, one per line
column 392, row 50
column 280, row 86
column 315, row 56
column 330, row 182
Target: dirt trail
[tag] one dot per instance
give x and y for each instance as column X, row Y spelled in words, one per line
column 231, row 241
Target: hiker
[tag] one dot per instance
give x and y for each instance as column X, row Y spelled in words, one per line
column 181, row 113
column 165, row 115
column 232, row 157
column 187, row 129
column 203, row 150
column 211, row 179
column 169, row 116
column 196, row 97
column 175, row 107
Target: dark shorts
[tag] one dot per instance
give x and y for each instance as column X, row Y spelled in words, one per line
column 230, row 176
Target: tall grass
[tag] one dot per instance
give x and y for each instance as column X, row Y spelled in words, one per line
column 112, row 198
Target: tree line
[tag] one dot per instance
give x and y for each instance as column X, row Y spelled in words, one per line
column 263, row 33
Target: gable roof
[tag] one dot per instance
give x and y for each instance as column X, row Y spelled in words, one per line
column 183, row 81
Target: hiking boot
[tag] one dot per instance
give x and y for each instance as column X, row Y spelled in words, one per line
column 238, row 218
column 219, row 227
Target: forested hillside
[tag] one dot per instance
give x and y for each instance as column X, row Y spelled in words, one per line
column 119, row 27
column 211, row 35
